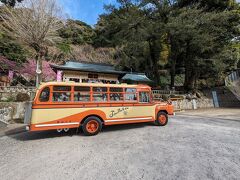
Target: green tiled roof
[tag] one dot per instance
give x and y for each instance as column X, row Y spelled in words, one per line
column 136, row 77
column 101, row 68
column 88, row 67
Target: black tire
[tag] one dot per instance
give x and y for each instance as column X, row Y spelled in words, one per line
column 94, row 121
column 162, row 122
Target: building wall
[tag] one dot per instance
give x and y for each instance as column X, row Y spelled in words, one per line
column 68, row 75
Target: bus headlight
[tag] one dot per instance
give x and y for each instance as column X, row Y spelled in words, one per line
column 27, row 128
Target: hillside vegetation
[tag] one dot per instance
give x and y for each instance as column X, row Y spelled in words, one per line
column 194, row 43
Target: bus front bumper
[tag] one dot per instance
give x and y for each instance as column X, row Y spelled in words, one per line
column 27, row 128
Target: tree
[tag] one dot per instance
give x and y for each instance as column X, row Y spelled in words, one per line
column 6, row 64
column 77, row 32
column 209, row 5
column 28, row 70
column 12, row 50
column 11, row 3
column 198, row 38
column 36, row 24
column 155, row 36
column 139, row 31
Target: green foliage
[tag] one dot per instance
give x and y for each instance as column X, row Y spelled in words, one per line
column 22, row 97
column 139, row 32
column 77, row 32
column 165, row 80
column 202, row 37
column 155, row 35
column 209, row 4
column 12, row 50
column 64, row 47
column 10, row 2
column 192, row 40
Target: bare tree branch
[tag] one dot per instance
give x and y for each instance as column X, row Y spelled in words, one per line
column 34, row 23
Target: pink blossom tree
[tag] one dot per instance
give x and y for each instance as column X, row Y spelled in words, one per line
column 6, row 64
column 28, row 71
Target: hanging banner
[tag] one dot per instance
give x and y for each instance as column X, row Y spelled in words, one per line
column 10, row 75
column 59, row 76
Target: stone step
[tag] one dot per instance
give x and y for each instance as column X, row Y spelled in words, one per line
column 226, row 98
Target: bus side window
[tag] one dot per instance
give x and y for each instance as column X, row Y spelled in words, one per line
column 81, row 94
column 100, row 94
column 61, row 93
column 116, row 94
column 144, row 97
column 44, row 96
column 130, row 94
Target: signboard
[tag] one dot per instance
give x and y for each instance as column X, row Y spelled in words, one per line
column 10, row 75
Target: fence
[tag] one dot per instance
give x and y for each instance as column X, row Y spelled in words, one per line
column 157, row 94
column 168, row 92
column 232, row 81
column 234, row 76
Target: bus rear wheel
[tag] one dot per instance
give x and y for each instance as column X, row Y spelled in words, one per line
column 91, row 126
column 162, row 119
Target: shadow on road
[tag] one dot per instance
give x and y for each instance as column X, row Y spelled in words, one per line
column 28, row 136
column 123, row 127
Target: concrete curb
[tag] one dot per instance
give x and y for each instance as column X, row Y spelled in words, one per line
column 3, row 124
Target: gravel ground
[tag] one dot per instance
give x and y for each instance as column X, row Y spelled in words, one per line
column 194, row 145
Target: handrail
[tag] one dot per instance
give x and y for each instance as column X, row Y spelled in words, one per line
column 168, row 92
column 232, row 81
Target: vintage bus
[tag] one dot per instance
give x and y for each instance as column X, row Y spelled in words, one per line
column 64, row 105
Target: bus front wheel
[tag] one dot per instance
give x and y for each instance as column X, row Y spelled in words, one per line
column 162, row 119
column 91, row 126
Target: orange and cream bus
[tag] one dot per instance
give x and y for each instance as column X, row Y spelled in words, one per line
column 65, row 105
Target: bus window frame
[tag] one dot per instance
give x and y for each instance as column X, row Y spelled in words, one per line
column 62, row 102
column 146, row 91
column 81, row 102
column 117, row 92
column 131, row 101
column 102, row 92
column 38, row 95
column 91, row 102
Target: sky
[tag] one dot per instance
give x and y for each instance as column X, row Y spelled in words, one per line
column 85, row 10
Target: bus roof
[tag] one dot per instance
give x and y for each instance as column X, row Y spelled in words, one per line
column 91, row 84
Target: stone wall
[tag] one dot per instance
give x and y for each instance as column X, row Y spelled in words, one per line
column 12, row 111
column 8, row 94
column 197, row 103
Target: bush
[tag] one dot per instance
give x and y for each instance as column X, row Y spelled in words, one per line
column 7, row 99
column 165, row 97
column 21, row 97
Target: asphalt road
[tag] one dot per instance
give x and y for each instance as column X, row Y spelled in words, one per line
column 194, row 145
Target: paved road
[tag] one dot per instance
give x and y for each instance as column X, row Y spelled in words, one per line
column 194, row 145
